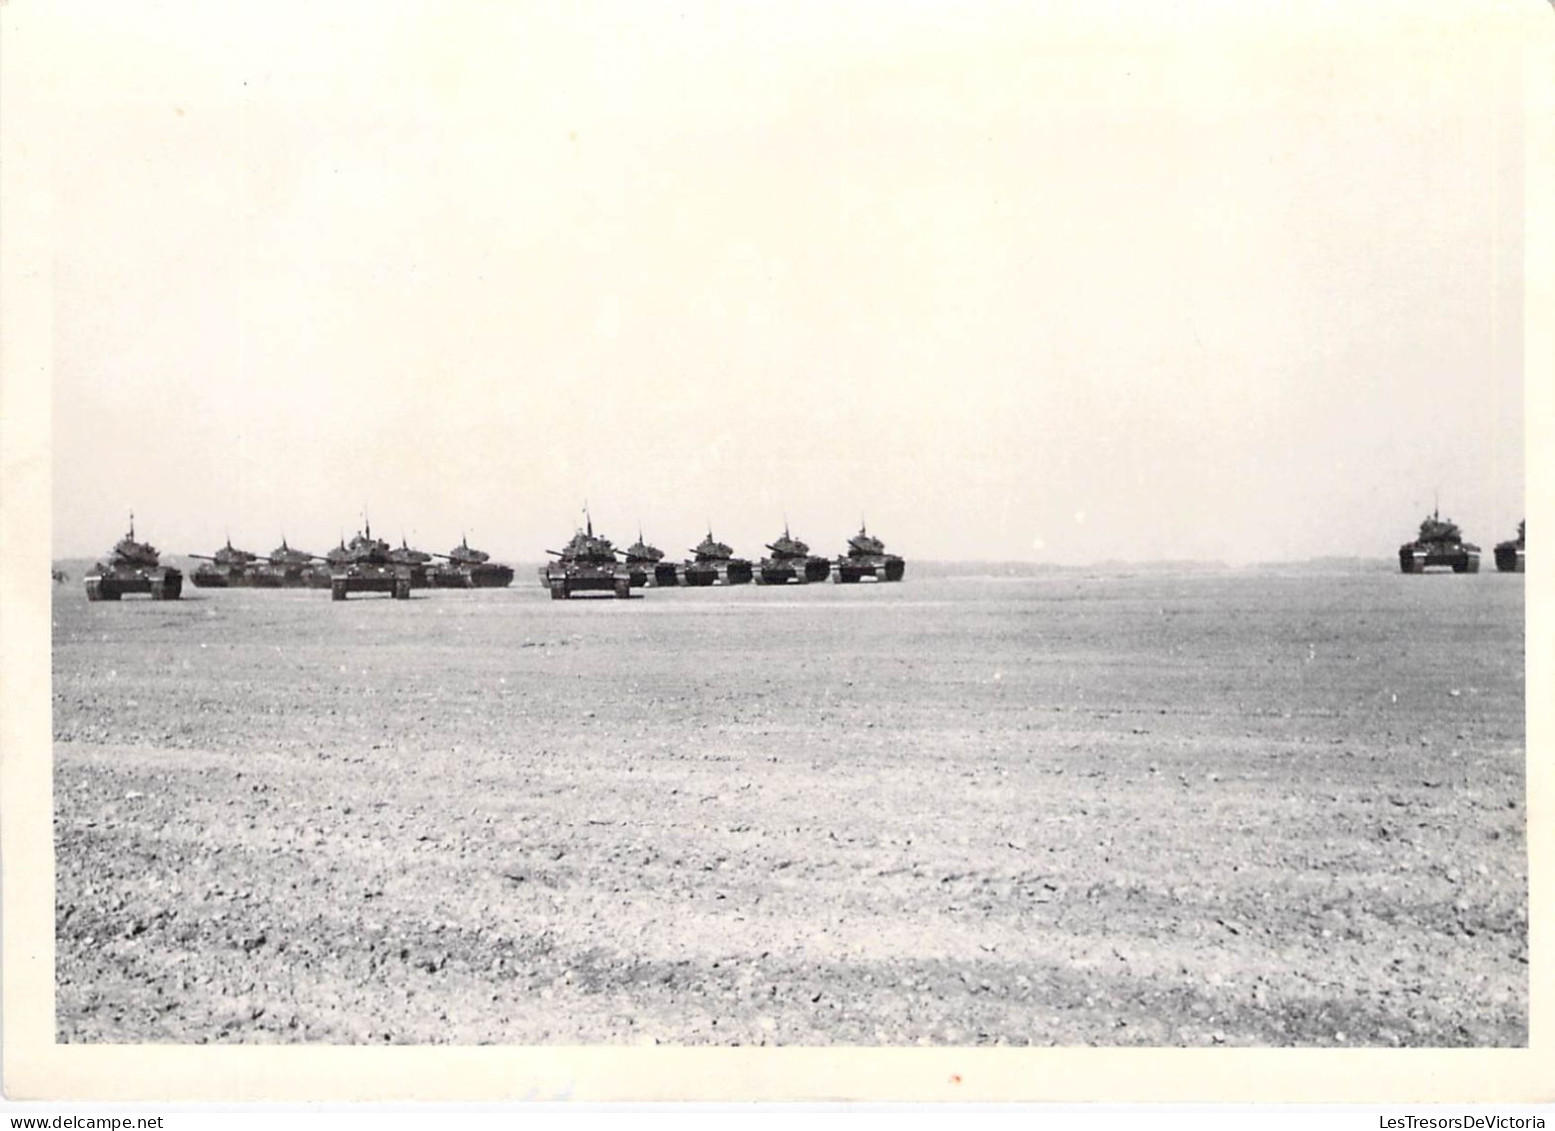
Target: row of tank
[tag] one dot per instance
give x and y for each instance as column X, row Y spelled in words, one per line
column 1440, row 544
column 365, row 564
column 287, row 568
column 588, row 562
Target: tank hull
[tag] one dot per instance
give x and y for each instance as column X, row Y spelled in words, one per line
column 393, row 580
column 1417, row 557
column 565, row 580
column 256, row 577
column 1510, row 557
column 419, row 575
column 856, row 569
column 787, row 571
column 735, row 571
column 652, row 575
column 163, row 583
column 479, row 576
column 491, row 577
column 296, row 577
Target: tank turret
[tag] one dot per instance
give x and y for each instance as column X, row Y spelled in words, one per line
column 337, row 555
column 1440, row 543
column 405, row 554
column 586, row 546
column 133, row 567
column 466, row 556
column 128, row 552
column 364, row 549
column 229, row 555
column 788, row 547
column 640, row 551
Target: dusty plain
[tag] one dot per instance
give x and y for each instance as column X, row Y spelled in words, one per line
column 1242, row 807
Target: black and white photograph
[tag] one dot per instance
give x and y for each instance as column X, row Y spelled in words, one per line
column 857, row 527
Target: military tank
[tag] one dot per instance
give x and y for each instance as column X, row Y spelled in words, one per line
column 297, row 569
column 231, row 568
column 1510, row 556
column 713, row 563
column 586, row 563
column 366, row 565
column 133, row 567
column 646, row 564
column 417, row 562
column 464, row 568
column 866, row 560
column 1440, row 544
column 791, row 563
column 338, row 556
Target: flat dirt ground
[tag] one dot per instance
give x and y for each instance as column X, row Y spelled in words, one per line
column 1252, row 807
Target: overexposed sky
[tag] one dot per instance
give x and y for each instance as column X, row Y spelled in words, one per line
column 1063, row 283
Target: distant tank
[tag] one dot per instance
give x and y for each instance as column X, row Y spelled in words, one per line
column 646, row 564
column 866, row 560
column 365, row 565
column 133, row 567
column 230, row 568
column 464, row 568
column 417, row 562
column 338, row 556
column 587, row 562
column 713, row 563
column 791, row 563
column 297, row 569
column 1510, row 555
column 1440, row 544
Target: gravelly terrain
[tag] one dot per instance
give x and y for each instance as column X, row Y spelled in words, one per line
column 1244, row 808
